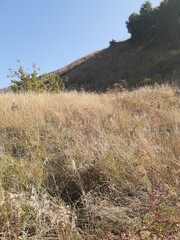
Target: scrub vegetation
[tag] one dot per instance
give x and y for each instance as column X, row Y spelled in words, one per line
column 90, row 166
column 151, row 55
column 100, row 165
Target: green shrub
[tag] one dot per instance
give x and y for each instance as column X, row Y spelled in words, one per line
column 23, row 81
column 55, row 83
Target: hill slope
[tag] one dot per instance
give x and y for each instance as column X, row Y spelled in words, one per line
column 140, row 65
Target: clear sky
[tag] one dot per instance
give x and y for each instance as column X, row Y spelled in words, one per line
column 53, row 33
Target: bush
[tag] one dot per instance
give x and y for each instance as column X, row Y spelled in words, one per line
column 112, row 42
column 55, row 83
column 23, row 81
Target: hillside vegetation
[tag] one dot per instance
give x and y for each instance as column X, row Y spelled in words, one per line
column 151, row 55
column 88, row 166
column 127, row 64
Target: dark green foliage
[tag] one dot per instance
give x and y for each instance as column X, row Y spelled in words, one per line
column 146, row 8
column 168, row 21
column 23, row 81
column 132, row 25
column 160, row 24
column 141, row 25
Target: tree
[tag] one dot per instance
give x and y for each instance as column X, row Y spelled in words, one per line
column 140, row 25
column 146, row 21
column 160, row 24
column 146, row 8
column 132, row 25
column 168, row 21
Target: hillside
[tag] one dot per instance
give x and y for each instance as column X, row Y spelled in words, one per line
column 152, row 54
column 135, row 65
column 86, row 166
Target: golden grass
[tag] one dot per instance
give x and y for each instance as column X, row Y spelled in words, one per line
column 88, row 166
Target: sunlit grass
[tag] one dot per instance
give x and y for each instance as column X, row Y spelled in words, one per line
column 88, row 166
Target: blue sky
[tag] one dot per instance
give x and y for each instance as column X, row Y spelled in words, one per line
column 53, row 33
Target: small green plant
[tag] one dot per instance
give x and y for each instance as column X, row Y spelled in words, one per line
column 23, row 81
column 54, row 83
column 146, row 81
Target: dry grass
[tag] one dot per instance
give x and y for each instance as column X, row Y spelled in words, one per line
column 88, row 166
column 137, row 65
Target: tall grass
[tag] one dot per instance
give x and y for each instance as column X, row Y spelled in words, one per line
column 88, row 166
